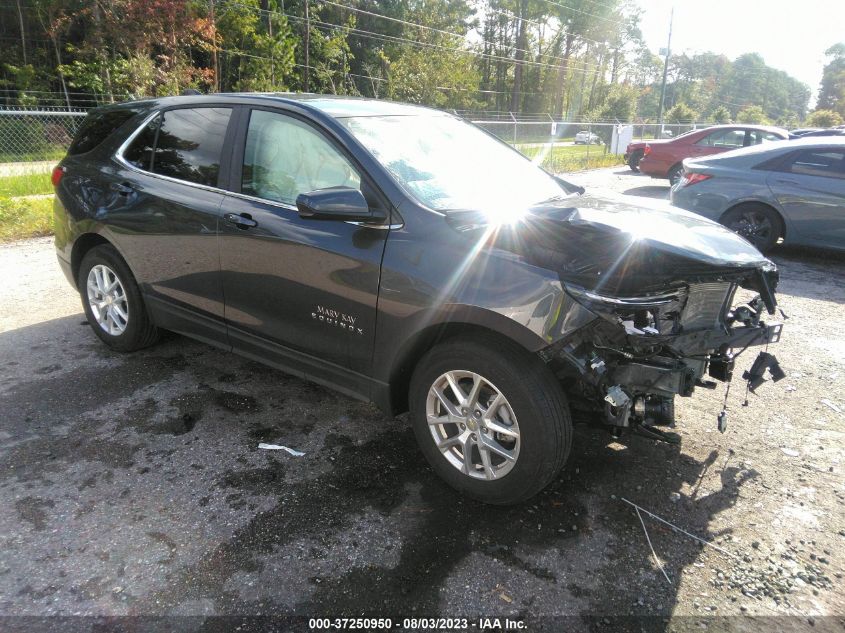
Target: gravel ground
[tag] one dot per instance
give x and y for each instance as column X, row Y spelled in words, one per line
column 131, row 485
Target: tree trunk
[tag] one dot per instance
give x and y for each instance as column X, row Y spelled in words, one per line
column 521, row 45
column 23, row 31
column 560, row 95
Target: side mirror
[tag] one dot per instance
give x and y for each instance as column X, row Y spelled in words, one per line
column 335, row 203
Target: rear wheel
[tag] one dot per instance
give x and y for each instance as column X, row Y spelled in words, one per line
column 634, row 160
column 490, row 418
column 112, row 301
column 758, row 223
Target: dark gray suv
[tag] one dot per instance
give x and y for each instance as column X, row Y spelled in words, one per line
column 403, row 256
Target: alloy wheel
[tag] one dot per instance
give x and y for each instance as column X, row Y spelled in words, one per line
column 473, row 425
column 754, row 226
column 107, row 299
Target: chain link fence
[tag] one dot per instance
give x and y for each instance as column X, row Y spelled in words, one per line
column 36, row 135
column 560, row 146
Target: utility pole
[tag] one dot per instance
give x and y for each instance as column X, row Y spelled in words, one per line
column 665, row 71
column 307, row 46
column 214, row 58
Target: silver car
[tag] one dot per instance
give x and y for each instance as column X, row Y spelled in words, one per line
column 793, row 190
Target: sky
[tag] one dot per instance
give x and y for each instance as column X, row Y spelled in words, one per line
column 791, row 36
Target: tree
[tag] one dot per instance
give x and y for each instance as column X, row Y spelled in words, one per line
column 720, row 115
column 823, row 118
column 832, row 91
column 752, row 114
column 681, row 113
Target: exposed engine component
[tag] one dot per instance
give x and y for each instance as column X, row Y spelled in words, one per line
column 631, row 361
column 655, row 410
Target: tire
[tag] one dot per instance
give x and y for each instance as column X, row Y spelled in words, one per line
column 534, row 408
column 758, row 223
column 634, row 160
column 118, row 317
column 675, row 174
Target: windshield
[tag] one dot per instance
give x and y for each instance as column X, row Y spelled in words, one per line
column 446, row 163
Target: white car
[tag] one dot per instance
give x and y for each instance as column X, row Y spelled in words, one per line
column 587, row 138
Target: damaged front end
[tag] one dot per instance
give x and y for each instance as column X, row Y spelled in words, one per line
column 650, row 308
column 631, row 360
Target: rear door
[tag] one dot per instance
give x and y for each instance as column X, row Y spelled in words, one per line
column 166, row 194
column 721, row 140
column 810, row 187
column 300, row 293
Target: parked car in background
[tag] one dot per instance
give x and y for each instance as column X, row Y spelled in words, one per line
column 793, row 190
column 824, row 132
column 801, row 131
column 403, row 256
column 587, row 138
column 662, row 158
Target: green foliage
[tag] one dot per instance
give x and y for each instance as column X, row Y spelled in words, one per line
column 832, row 91
column 681, row 113
column 720, row 115
column 823, row 118
column 21, row 218
column 620, row 104
column 752, row 114
column 25, row 185
column 504, row 55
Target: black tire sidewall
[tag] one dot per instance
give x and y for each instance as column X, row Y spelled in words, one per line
column 675, row 172
column 138, row 324
column 634, row 160
column 545, row 433
column 773, row 217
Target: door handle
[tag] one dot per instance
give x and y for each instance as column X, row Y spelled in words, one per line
column 243, row 221
column 784, row 181
column 123, row 189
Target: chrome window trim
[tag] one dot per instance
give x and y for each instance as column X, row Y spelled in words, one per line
column 118, row 156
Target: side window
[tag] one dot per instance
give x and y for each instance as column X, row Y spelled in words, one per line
column 140, row 150
column 190, row 143
column 758, row 136
column 726, row 139
column 284, row 157
column 819, row 162
column 97, row 127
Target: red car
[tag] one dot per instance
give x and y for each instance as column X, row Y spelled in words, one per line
column 662, row 158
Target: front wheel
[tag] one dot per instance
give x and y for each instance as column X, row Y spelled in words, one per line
column 112, row 301
column 490, row 418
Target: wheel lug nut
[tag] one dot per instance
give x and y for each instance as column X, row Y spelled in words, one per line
column 463, row 426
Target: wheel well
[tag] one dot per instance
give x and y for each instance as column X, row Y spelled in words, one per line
column 754, row 203
column 672, row 168
column 81, row 246
column 400, row 377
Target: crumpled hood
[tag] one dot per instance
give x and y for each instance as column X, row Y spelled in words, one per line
column 604, row 243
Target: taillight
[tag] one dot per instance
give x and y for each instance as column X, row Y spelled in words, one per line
column 647, row 150
column 690, row 178
column 56, row 176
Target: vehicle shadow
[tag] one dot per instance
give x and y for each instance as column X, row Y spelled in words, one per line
column 813, row 273
column 649, row 191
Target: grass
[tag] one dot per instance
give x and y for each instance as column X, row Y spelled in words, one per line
column 50, row 153
column 25, row 185
column 21, row 218
column 566, row 158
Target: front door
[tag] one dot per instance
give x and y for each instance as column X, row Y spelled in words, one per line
column 298, row 292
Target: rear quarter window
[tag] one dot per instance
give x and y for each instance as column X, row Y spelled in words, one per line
column 97, row 127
